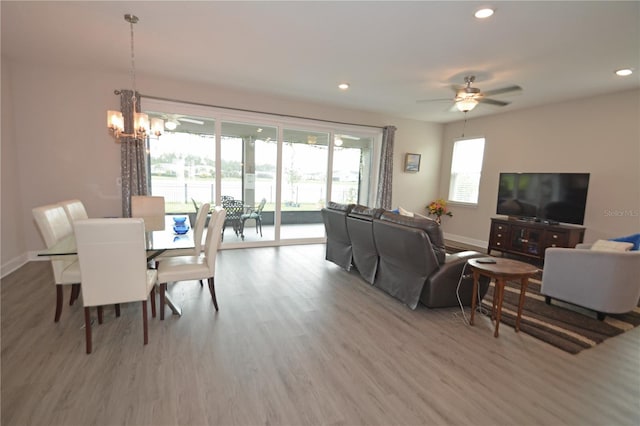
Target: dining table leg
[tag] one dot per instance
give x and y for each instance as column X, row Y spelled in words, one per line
column 175, row 309
column 165, row 299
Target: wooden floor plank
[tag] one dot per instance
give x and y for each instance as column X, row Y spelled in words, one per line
column 297, row 341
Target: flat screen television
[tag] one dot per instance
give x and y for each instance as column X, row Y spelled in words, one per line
column 546, row 197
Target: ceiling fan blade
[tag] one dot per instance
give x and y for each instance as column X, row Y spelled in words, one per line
column 493, row 102
column 353, row 138
column 503, row 90
column 424, row 101
column 190, row 120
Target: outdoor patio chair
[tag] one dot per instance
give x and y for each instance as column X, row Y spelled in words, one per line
column 255, row 214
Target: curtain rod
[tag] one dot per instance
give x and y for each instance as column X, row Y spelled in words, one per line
column 259, row 112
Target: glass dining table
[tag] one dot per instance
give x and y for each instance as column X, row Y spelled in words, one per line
column 159, row 238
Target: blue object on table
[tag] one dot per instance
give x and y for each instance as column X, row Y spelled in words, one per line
column 181, row 229
column 179, row 220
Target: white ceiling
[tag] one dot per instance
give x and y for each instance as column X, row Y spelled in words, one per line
column 392, row 53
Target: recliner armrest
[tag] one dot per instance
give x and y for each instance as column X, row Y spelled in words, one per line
column 440, row 289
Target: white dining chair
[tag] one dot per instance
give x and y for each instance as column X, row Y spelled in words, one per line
column 113, row 264
column 194, row 267
column 151, row 209
column 54, row 225
column 198, row 231
column 74, row 209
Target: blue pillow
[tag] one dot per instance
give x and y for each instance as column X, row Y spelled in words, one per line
column 396, row 211
column 635, row 239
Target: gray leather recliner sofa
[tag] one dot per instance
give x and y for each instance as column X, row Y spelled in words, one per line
column 360, row 228
column 338, row 249
column 406, row 258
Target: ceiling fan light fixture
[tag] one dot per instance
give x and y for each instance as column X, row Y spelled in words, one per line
column 484, row 13
column 466, row 105
column 170, row 125
column 624, row 72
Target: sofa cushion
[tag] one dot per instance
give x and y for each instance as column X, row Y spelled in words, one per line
column 430, row 226
column 605, row 245
column 338, row 206
column 364, row 212
column 634, row 239
column 404, row 212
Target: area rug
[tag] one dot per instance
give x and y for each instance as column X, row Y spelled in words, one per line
column 564, row 326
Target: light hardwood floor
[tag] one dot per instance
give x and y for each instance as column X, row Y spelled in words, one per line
column 297, row 341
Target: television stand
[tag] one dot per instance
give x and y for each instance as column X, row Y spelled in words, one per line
column 531, row 239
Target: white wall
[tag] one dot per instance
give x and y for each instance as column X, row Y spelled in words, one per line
column 13, row 245
column 598, row 135
column 55, row 144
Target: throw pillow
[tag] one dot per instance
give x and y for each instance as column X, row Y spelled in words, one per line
column 404, row 212
column 421, row 216
column 634, row 239
column 605, row 245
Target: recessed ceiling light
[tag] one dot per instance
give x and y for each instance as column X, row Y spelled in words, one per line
column 624, row 72
column 483, row 13
column 343, row 86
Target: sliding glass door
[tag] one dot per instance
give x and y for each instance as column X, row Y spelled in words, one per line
column 272, row 175
column 248, row 157
column 182, row 165
column 304, row 183
column 352, row 167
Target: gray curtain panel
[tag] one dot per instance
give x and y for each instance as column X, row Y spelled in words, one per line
column 133, row 155
column 383, row 194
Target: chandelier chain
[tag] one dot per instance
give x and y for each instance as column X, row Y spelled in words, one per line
column 133, row 64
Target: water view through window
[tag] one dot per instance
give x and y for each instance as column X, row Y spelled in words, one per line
column 272, row 189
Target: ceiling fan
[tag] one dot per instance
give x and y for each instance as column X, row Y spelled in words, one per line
column 467, row 97
column 173, row 121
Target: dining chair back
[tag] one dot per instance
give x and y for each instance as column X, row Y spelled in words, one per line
column 198, row 231
column 74, row 209
column 54, row 225
column 198, row 228
column 149, row 208
column 184, row 268
column 113, row 264
column 213, row 238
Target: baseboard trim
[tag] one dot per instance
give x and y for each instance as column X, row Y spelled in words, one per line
column 13, row 265
column 467, row 243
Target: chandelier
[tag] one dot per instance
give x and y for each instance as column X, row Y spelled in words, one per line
column 142, row 127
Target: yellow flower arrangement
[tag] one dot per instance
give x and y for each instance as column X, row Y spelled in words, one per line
column 438, row 208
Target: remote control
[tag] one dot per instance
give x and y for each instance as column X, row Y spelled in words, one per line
column 487, row 260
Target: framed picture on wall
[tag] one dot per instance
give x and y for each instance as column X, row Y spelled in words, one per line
column 412, row 163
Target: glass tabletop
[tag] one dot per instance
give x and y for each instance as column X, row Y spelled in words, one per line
column 160, row 239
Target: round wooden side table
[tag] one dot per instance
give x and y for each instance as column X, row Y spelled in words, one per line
column 502, row 270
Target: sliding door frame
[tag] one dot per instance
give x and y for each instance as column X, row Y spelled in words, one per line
column 221, row 115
